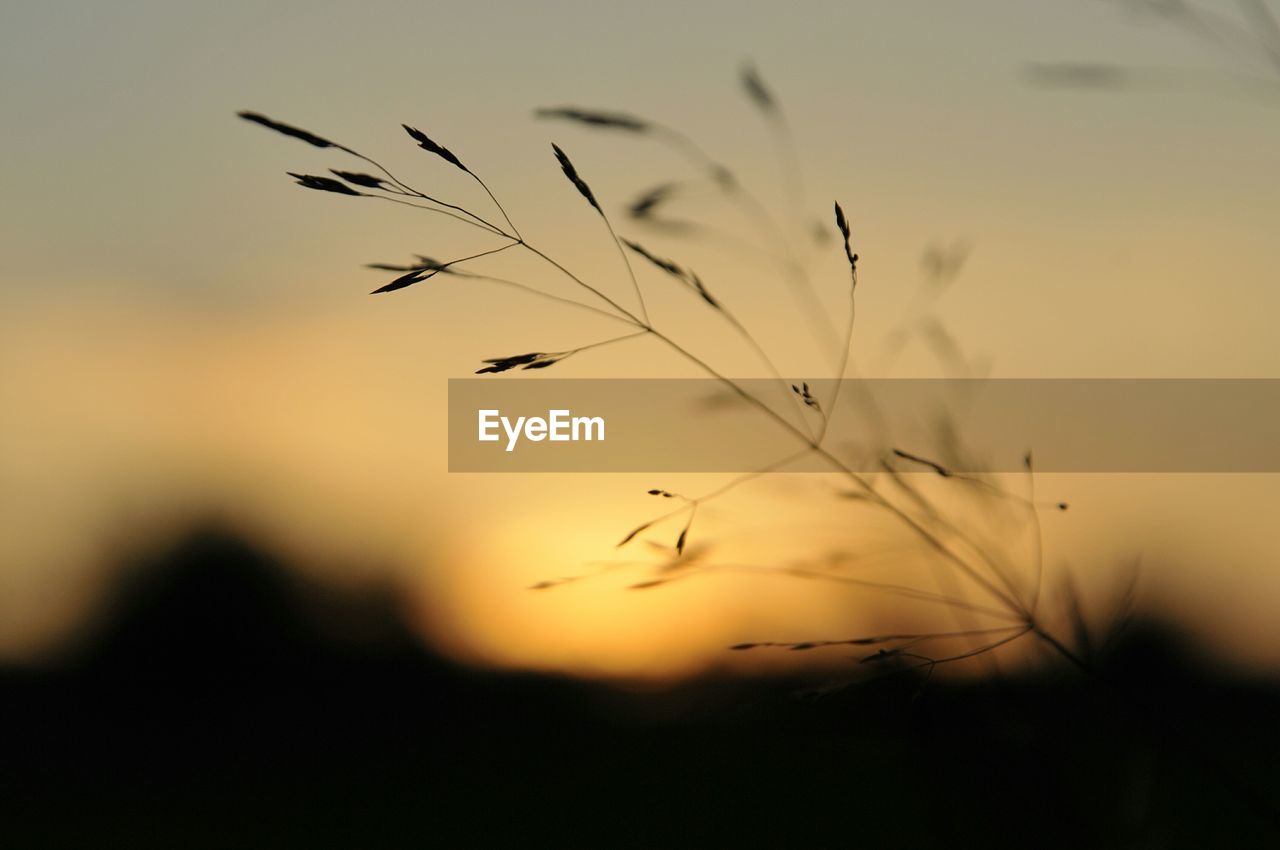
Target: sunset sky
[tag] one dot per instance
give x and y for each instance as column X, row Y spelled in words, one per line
column 186, row 334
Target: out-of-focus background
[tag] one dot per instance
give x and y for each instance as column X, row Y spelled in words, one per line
column 189, row 357
column 186, row 333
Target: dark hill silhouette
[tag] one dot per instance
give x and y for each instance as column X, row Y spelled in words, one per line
column 215, row 611
column 222, row 702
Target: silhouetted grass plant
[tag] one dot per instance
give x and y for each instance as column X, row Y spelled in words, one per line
column 995, row 602
column 972, row 581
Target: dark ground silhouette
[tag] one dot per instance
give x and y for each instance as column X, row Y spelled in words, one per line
column 225, row 704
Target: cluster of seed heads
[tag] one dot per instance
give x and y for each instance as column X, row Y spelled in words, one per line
column 806, row 396
column 533, row 360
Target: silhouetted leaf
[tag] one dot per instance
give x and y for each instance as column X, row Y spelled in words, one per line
column 503, row 364
column 309, row 138
column 572, row 173
column 423, row 264
column 757, row 91
column 532, row 360
column 415, row 276
column 631, row 535
column 355, row 177
column 595, row 118
column 702, row 290
column 843, row 224
column 643, row 206
column 934, row 465
column 426, row 144
column 323, row 184
column 666, row 265
column 685, row 276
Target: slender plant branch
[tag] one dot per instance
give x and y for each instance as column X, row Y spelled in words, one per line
column 467, row 221
column 631, row 273
column 496, row 203
column 582, row 283
column 542, row 294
